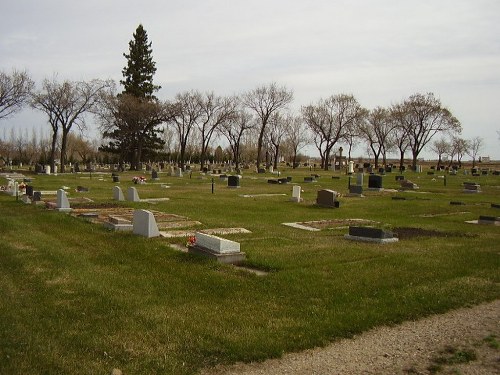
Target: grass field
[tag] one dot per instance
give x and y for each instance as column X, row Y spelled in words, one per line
column 76, row 298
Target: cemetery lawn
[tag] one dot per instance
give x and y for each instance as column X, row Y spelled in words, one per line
column 78, row 298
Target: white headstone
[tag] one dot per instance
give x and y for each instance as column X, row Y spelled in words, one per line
column 55, row 169
column 271, row 169
column 178, row 172
column 132, row 194
column 216, row 244
column 118, row 193
column 47, row 169
column 296, row 190
column 351, row 167
column 144, row 224
column 62, row 203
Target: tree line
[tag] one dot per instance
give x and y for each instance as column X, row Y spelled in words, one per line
column 258, row 125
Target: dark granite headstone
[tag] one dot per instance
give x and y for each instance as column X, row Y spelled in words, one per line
column 233, row 182
column 29, row 190
column 327, row 198
column 37, row 196
column 272, row 181
column 356, row 189
column 154, row 174
column 374, row 182
column 495, row 205
column 309, row 179
column 400, row 178
column 370, row 232
column 261, row 170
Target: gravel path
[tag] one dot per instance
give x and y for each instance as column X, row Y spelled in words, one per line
column 410, row 348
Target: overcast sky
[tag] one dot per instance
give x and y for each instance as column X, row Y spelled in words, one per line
column 381, row 51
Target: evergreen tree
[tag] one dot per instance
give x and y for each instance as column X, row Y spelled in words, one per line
column 140, row 67
column 131, row 118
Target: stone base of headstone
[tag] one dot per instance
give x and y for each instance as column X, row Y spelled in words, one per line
column 355, row 191
column 229, row 258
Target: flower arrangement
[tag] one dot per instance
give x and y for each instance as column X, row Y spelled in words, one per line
column 139, row 180
column 191, row 241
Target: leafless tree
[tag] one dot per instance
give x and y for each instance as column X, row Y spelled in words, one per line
column 459, row 148
column 234, row 130
column 66, row 105
column 441, row 147
column 15, row 90
column 184, row 113
column 376, row 131
column 424, row 117
column 216, row 111
column 275, row 135
column 296, row 137
column 329, row 121
column 475, row 145
column 400, row 136
column 264, row 101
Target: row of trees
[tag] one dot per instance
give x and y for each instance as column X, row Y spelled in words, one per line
column 137, row 126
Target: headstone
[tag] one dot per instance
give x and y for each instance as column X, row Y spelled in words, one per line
column 116, row 178
column 359, row 179
column 327, row 198
column 216, row 244
column 489, row 220
column 220, row 249
column 132, row 194
column 178, row 172
column 272, row 181
column 375, row 182
column 407, row 184
column 388, row 169
column 289, row 178
column 144, row 224
column 37, row 196
column 47, row 169
column 118, row 194
column 296, row 190
column 82, row 189
column 369, row 234
column 400, row 178
column 154, row 174
column 233, row 182
column 62, row 203
column 271, row 169
column 472, row 187
column 309, row 179
column 351, row 167
column 495, row 205
column 356, row 190
column 29, row 190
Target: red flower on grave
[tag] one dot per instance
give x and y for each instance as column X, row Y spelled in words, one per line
column 191, row 241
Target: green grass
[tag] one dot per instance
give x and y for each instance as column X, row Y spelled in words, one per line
column 77, row 298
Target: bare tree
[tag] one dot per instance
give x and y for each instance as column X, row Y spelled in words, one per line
column 376, row 130
column 475, row 145
column 15, row 90
column 264, row 101
column 296, row 137
column 234, row 130
column 216, row 111
column 425, row 117
column 184, row 113
column 278, row 125
column 400, row 136
column 66, row 105
column 329, row 121
column 459, row 148
column 440, row 147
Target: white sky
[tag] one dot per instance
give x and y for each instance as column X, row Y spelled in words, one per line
column 381, row 51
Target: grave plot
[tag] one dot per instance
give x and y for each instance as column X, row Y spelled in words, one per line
column 318, row 225
column 169, row 225
column 405, row 233
column 370, row 234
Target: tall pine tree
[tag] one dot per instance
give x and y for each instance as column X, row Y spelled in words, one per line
column 136, row 111
column 140, row 67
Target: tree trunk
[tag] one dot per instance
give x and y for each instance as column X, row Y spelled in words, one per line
column 63, row 150
column 401, row 159
column 276, row 153
column 53, row 151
